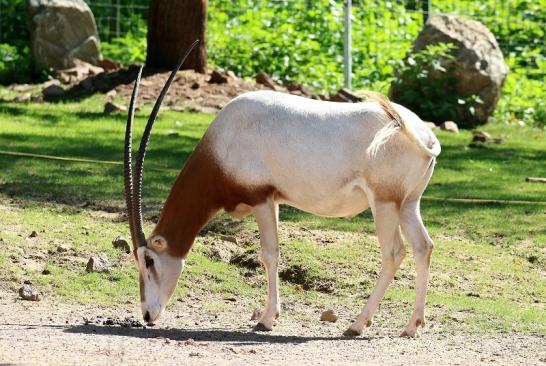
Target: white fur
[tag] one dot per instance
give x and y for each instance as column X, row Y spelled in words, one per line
column 158, row 292
column 315, row 152
column 332, row 159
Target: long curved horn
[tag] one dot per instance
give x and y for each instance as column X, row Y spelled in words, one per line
column 137, row 178
column 128, row 160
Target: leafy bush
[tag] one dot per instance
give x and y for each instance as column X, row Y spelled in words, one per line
column 522, row 100
column 16, row 66
column 131, row 48
column 14, row 21
column 423, row 82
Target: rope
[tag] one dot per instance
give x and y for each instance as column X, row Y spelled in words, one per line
column 74, row 160
column 107, row 162
column 481, row 200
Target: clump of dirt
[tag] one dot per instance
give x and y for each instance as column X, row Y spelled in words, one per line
column 191, row 91
column 222, row 226
column 301, row 275
column 220, row 250
column 247, row 259
column 128, row 322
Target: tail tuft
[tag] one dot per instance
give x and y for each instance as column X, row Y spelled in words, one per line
column 394, row 124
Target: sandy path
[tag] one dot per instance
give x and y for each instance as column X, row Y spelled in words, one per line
column 44, row 333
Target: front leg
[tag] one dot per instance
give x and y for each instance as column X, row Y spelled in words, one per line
column 267, row 217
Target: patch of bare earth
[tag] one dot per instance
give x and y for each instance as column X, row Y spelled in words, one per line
column 51, row 333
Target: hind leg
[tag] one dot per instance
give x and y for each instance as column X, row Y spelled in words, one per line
column 422, row 245
column 267, row 216
column 386, row 217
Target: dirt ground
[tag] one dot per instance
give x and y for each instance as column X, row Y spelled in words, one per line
column 46, row 333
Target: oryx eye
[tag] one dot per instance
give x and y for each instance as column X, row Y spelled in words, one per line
column 148, row 261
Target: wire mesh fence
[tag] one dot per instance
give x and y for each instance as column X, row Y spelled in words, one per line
column 296, row 32
column 116, row 18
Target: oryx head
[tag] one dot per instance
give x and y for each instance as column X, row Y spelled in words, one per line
column 158, row 269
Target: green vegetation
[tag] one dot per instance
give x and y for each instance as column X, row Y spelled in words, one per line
column 487, row 269
column 301, row 41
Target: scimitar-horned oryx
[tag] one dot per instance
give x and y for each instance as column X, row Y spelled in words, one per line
column 267, row 148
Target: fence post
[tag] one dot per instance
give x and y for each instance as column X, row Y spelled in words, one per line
column 347, row 61
column 118, row 16
column 426, row 10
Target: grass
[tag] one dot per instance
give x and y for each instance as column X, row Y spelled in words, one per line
column 488, row 266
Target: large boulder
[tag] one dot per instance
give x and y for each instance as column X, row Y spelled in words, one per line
column 61, row 31
column 477, row 68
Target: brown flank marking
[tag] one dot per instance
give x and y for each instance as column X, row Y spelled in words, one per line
column 200, row 191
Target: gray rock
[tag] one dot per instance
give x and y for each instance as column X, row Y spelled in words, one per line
column 62, row 30
column 449, row 126
column 27, row 292
column 98, row 263
column 121, row 243
column 478, row 67
column 431, row 125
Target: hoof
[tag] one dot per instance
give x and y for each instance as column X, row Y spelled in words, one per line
column 410, row 334
column 260, row 327
column 351, row 333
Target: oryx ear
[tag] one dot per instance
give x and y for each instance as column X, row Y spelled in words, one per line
column 158, row 243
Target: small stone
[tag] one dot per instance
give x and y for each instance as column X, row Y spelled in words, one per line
column 328, row 316
column 62, row 248
column 338, row 97
column 108, row 65
column 52, row 91
column 27, row 292
column 431, row 125
column 33, row 234
column 256, row 314
column 264, row 79
column 23, row 98
column 450, row 126
column 229, row 238
column 481, row 136
column 121, row 243
column 350, row 95
column 110, row 108
column 189, row 342
column 218, row 77
column 112, row 93
column 232, row 75
column 46, row 272
column 98, row 263
column 201, row 109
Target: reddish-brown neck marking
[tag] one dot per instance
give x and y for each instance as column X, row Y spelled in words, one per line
column 190, row 205
column 200, row 191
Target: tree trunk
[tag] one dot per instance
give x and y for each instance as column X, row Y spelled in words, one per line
column 173, row 25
